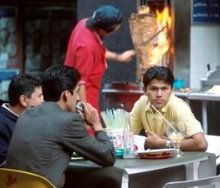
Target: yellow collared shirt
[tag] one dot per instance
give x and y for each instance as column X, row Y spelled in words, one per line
column 176, row 110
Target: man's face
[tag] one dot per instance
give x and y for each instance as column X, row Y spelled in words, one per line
column 158, row 93
column 36, row 98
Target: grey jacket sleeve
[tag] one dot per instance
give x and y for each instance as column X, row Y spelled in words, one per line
column 98, row 149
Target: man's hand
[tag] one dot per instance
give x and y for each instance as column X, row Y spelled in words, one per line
column 91, row 117
column 153, row 141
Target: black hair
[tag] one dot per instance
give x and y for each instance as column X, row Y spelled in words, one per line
column 57, row 79
column 160, row 73
column 23, row 84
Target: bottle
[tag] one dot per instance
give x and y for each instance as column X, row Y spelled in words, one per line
column 128, row 139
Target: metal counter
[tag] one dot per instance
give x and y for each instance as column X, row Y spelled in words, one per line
column 204, row 97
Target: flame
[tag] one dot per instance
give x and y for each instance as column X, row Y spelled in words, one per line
column 161, row 43
column 164, row 17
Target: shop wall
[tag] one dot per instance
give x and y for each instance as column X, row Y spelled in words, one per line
column 33, row 36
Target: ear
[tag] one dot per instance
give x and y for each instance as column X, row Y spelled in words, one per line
column 23, row 100
column 65, row 95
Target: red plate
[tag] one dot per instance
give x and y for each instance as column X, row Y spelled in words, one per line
column 156, row 154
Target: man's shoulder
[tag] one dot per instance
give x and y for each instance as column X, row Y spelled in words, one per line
column 83, row 36
column 7, row 120
column 141, row 103
column 51, row 114
column 81, row 32
column 174, row 100
column 47, row 108
column 178, row 105
column 53, row 109
column 3, row 109
column 142, row 100
column 7, row 115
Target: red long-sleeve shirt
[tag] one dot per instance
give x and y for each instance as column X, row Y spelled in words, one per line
column 86, row 53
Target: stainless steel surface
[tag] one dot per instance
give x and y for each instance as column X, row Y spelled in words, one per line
column 109, row 91
column 136, row 172
column 181, row 94
column 130, row 91
column 134, row 166
column 203, row 96
column 181, row 16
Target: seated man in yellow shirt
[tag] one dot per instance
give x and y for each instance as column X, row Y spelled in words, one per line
column 158, row 82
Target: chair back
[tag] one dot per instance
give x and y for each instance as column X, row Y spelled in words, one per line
column 213, row 182
column 12, row 178
column 214, row 146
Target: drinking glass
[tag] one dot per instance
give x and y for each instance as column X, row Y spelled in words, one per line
column 176, row 133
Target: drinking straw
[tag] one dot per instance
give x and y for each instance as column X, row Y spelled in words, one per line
column 164, row 118
column 114, row 118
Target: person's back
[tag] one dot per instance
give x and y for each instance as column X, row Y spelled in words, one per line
column 46, row 136
column 7, row 124
column 24, row 91
column 80, row 43
column 37, row 137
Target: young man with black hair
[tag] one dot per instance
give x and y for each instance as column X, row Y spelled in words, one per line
column 46, row 136
column 24, row 92
column 158, row 83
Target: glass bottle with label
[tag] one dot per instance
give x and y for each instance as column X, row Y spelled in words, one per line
column 128, row 139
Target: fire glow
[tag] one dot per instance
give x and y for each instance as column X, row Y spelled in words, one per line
column 161, row 41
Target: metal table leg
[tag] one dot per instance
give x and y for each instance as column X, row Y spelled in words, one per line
column 204, row 117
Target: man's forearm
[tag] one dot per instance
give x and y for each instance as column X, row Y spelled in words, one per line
column 123, row 57
column 112, row 56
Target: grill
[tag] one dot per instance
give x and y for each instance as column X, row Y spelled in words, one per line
column 151, row 33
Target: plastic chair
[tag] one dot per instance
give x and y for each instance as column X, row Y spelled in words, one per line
column 213, row 181
column 12, row 178
column 214, row 146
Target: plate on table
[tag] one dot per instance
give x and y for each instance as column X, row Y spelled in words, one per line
column 156, row 153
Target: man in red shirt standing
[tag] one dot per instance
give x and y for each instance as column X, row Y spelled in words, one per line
column 87, row 53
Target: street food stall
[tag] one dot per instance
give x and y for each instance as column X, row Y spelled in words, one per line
column 160, row 32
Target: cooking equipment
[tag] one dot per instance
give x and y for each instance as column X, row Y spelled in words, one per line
column 178, row 59
column 213, row 78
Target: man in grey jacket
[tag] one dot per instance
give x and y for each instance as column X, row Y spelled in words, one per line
column 46, row 136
